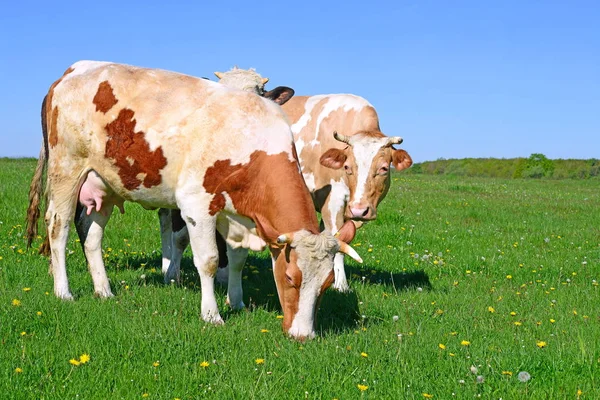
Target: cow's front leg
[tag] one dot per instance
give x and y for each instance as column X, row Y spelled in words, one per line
column 201, row 230
column 332, row 214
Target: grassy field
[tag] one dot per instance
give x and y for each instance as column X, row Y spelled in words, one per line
column 470, row 288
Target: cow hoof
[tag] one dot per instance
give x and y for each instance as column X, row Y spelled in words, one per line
column 341, row 287
column 214, row 319
column 65, row 296
column 103, row 294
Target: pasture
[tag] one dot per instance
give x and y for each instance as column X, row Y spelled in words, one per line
column 470, row 288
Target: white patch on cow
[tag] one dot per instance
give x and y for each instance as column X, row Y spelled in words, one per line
column 309, row 179
column 306, row 117
column 84, row 66
column 365, row 151
column 299, row 145
column 338, row 197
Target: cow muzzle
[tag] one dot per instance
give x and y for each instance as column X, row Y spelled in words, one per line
column 361, row 212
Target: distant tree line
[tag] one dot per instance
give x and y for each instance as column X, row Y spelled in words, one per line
column 537, row 166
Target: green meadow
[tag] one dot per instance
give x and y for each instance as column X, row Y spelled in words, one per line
column 470, row 288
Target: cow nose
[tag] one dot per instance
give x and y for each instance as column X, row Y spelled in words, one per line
column 359, row 212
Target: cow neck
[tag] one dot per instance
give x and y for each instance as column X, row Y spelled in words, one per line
column 269, row 189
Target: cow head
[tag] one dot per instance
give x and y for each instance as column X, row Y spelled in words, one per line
column 303, row 269
column 251, row 81
column 366, row 161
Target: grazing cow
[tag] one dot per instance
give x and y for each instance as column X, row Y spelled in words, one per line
column 225, row 158
column 345, row 158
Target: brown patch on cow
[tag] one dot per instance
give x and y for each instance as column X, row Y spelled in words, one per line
column 125, row 144
column 294, row 108
column 268, row 189
column 105, row 98
column 52, row 112
column 53, row 133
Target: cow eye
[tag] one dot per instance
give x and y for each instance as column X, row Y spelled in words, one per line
column 289, row 280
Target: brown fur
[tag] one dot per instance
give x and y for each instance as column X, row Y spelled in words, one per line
column 255, row 189
column 124, row 143
column 105, row 98
column 52, row 112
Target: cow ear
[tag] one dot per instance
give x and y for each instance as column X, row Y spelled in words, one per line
column 333, row 158
column 347, row 232
column 401, row 160
column 280, row 95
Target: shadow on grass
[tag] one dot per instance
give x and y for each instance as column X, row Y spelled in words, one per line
column 338, row 312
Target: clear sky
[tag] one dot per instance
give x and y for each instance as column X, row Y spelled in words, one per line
column 454, row 78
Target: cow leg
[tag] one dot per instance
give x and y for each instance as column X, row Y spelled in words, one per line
column 237, row 259
column 201, row 230
column 90, row 229
column 58, row 219
column 332, row 214
column 166, row 231
column 180, row 240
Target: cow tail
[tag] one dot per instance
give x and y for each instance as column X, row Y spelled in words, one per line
column 37, row 194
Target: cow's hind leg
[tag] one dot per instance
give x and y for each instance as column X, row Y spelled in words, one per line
column 166, row 231
column 237, row 259
column 62, row 201
column 90, row 229
column 180, row 239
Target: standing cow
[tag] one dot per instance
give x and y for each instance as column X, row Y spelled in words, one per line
column 225, row 158
column 345, row 159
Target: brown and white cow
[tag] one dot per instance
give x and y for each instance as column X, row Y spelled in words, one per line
column 344, row 156
column 345, row 159
column 224, row 157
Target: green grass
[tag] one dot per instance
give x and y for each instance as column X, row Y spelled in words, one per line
column 442, row 252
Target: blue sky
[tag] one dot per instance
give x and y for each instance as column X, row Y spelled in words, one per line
column 455, row 79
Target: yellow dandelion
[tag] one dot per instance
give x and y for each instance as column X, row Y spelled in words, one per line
column 156, row 364
column 259, row 361
column 264, row 330
column 84, row 358
column 442, row 346
column 465, row 343
column 491, row 309
column 279, row 317
column 74, row 362
column 16, row 302
column 364, row 354
column 541, row 344
column 508, row 276
column 512, row 313
column 428, row 396
column 552, row 320
column 579, row 392
column 23, row 333
column 574, row 312
column 362, row 388
column 39, row 313
column 451, row 354
column 517, row 323
column 204, row 364
column 145, row 395
column 26, row 289
column 509, row 373
column 18, row 370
